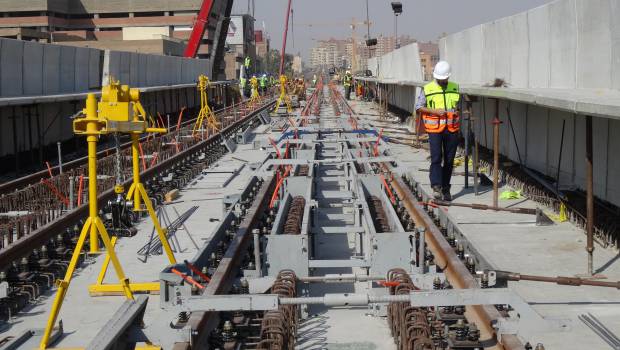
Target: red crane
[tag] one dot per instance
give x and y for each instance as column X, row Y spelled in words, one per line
column 200, row 26
column 282, row 54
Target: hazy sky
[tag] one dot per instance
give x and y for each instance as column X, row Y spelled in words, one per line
column 421, row 19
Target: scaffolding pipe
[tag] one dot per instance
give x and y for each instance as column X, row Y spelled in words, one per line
column 590, row 194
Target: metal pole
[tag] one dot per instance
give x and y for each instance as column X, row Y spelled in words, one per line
column 590, row 194
column 368, row 24
column 93, row 211
column 557, row 178
column 422, row 250
column 58, row 145
column 257, row 257
column 282, row 53
column 496, row 123
column 71, row 192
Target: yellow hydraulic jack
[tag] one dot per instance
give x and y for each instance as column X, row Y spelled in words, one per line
column 206, row 114
column 118, row 112
column 284, row 97
column 255, row 96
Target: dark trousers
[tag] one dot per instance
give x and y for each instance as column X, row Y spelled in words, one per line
column 443, row 149
column 347, row 92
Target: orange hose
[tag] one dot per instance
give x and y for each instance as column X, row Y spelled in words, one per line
column 187, row 278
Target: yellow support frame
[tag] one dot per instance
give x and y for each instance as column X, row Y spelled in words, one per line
column 284, row 97
column 100, row 289
column 93, row 224
column 111, row 114
column 206, row 114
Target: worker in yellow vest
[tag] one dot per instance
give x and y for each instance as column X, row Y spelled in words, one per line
column 438, row 106
column 347, row 81
column 242, row 85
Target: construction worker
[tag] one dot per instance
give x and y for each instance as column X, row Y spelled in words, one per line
column 246, row 64
column 314, row 79
column 347, row 81
column 242, row 84
column 437, row 104
column 263, row 84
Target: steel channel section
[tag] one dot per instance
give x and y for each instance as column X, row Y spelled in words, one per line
column 454, row 270
column 111, row 335
column 24, row 245
column 201, row 323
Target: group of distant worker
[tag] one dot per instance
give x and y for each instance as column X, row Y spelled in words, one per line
column 263, row 81
column 437, row 105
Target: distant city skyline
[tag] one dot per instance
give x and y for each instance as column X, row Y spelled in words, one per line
column 423, row 20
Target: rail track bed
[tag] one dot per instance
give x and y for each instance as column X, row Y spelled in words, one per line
column 312, row 231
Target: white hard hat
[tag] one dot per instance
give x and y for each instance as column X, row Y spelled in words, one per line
column 442, row 70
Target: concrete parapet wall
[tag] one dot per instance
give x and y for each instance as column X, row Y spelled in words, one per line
column 564, row 44
column 538, row 136
column 402, row 64
column 142, row 70
column 29, row 68
column 35, row 69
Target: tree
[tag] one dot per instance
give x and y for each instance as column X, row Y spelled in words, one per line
column 272, row 63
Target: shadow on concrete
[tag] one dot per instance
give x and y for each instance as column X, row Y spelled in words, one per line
column 607, row 264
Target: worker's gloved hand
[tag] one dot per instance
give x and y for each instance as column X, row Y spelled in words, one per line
column 441, row 113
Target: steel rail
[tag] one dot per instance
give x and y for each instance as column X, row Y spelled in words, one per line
column 42, row 235
column 223, row 277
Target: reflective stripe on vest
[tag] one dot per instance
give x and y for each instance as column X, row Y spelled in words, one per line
column 438, row 98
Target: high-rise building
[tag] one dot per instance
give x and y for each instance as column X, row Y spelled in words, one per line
column 328, row 53
column 240, row 43
column 339, row 52
column 146, row 26
column 297, row 64
column 429, row 56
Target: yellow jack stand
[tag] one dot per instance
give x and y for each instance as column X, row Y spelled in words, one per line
column 205, row 114
column 284, row 97
column 90, row 126
column 112, row 114
column 138, row 194
column 255, row 96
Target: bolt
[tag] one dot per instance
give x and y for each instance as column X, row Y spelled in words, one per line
column 460, row 251
column 437, row 283
column 474, row 332
column 228, row 332
column 539, row 346
column 245, row 286
column 451, row 239
column 213, row 261
column 484, row 281
column 461, row 330
column 23, row 265
column 183, row 317
column 471, row 265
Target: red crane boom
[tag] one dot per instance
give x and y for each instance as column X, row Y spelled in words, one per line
column 200, row 26
column 282, row 54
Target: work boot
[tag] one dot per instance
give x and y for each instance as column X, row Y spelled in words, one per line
column 437, row 192
column 446, row 194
